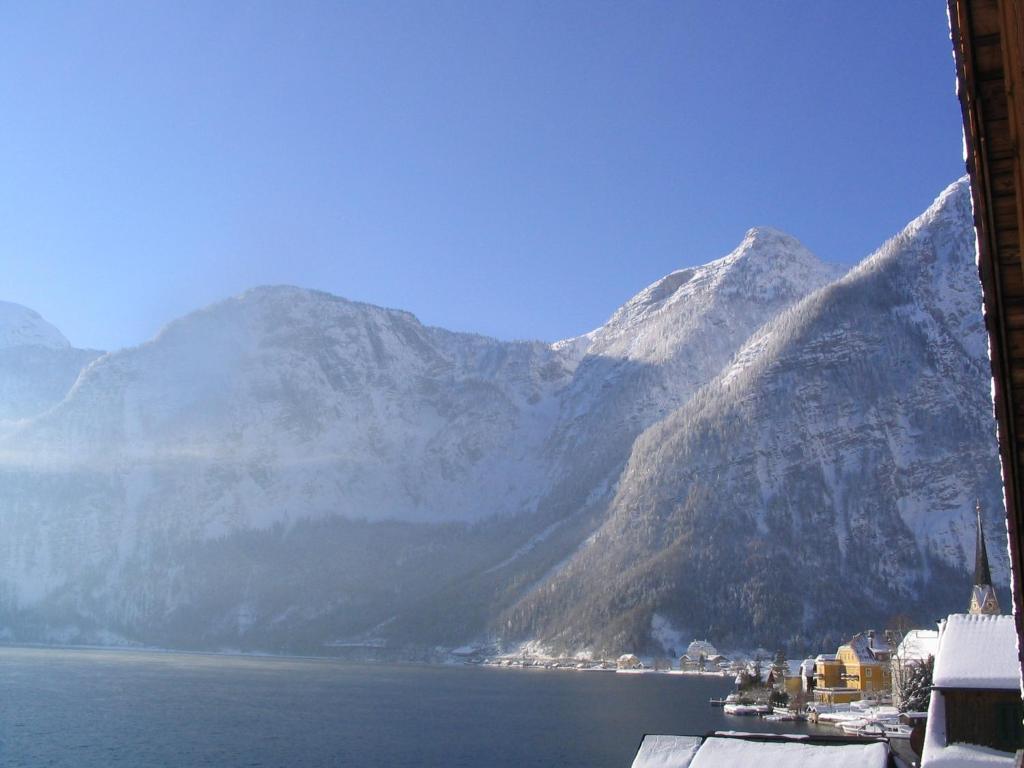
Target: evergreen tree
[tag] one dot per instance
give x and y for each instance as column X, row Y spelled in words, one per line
column 918, row 686
column 780, row 668
column 756, row 670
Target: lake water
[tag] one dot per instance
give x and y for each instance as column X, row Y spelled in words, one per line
column 86, row 708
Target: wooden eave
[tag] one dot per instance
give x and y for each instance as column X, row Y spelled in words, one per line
column 988, row 47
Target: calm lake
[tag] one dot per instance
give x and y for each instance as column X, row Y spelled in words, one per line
column 87, row 708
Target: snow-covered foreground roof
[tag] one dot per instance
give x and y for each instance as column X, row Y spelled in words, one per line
column 725, row 752
column 666, row 751
column 937, row 754
column 977, row 651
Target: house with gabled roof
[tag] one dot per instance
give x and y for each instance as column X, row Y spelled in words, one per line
column 975, row 714
column 859, row 667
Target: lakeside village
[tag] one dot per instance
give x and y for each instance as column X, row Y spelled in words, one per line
column 947, row 697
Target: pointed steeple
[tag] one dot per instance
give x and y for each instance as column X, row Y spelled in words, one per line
column 982, row 574
column 983, row 595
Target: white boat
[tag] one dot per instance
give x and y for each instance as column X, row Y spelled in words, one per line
column 788, row 717
column 886, row 730
column 898, row 731
column 747, row 709
column 852, row 727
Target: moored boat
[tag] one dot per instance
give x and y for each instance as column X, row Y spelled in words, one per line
column 852, row 727
column 886, row 730
column 789, row 717
column 747, row 709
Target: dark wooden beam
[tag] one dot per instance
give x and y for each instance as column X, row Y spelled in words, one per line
column 989, row 48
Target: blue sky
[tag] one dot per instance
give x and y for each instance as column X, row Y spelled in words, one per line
column 513, row 168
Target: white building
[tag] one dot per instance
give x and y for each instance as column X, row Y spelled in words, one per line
column 699, row 648
column 628, row 661
column 807, row 675
column 914, row 649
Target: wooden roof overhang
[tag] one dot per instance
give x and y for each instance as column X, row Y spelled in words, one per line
column 988, row 47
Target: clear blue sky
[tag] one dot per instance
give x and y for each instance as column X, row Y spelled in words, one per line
column 513, row 168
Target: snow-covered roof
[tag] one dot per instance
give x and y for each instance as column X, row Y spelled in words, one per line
column 730, row 752
column 870, row 646
column 918, row 644
column 697, row 647
column 825, row 657
column 807, row 667
column 666, row 751
column 728, row 749
column 977, row 651
column 938, row 754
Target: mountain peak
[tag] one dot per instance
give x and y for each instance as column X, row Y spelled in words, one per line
column 951, row 204
column 24, row 327
column 771, row 243
column 767, row 234
column 294, row 297
column 770, row 264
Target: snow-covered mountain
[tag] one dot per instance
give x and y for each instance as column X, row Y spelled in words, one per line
column 23, row 327
column 822, row 480
column 285, row 403
column 38, row 365
column 288, row 470
column 658, row 349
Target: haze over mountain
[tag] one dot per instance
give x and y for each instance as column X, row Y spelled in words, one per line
column 287, row 470
column 37, row 364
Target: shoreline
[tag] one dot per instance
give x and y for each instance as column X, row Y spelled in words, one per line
column 440, row 660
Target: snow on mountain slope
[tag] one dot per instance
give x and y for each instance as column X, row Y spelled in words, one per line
column 274, row 408
column 285, row 402
column 38, row 365
column 661, row 347
column 688, row 324
column 21, row 327
column 742, row 442
column 668, row 318
column 824, row 481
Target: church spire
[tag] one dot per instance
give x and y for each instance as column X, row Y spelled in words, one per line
column 983, row 595
column 982, row 574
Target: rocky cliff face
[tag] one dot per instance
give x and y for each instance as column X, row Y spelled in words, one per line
column 822, row 480
column 739, row 444
column 286, row 403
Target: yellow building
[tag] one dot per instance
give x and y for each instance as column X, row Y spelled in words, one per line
column 860, row 667
column 792, row 684
column 828, row 671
